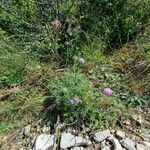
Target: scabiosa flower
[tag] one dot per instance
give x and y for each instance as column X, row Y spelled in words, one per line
column 81, row 61
column 107, row 91
column 75, row 101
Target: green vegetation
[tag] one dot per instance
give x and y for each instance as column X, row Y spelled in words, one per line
column 41, row 44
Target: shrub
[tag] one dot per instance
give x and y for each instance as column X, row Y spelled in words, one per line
column 74, row 99
column 114, row 22
column 131, row 100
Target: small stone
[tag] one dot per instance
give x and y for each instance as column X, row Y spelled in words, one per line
column 120, row 134
column 102, row 135
column 81, row 61
column 90, row 71
column 116, row 143
column 44, row 142
column 112, row 131
column 128, row 144
column 140, row 147
column 106, row 148
column 38, row 67
column 135, row 117
column 68, row 140
column 27, row 130
column 77, row 148
column 45, row 129
column 103, row 144
column 126, row 122
column 138, row 119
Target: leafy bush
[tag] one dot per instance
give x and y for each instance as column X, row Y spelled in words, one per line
column 90, row 107
column 132, row 100
column 115, row 21
column 59, row 29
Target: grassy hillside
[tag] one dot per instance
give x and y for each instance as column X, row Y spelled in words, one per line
column 56, row 59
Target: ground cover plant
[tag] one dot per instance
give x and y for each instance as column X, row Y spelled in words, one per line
column 85, row 61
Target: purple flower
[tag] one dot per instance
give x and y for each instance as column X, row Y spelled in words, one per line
column 107, row 92
column 75, row 101
column 81, row 61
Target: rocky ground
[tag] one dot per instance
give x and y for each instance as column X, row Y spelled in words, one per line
column 132, row 134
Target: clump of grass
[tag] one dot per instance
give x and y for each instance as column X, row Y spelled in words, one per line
column 15, row 62
column 20, row 108
column 131, row 62
column 74, row 93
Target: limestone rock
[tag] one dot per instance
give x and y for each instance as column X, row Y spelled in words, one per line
column 117, row 145
column 120, row 134
column 44, row 142
column 102, row 135
column 45, row 129
column 103, row 144
column 128, row 144
column 138, row 119
column 27, row 130
column 68, row 140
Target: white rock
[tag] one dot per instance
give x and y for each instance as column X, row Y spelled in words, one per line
column 44, row 142
column 116, row 143
column 147, row 144
column 103, row 143
column 106, row 148
column 77, row 148
column 68, row 140
column 137, row 118
column 45, row 129
column 140, row 120
column 100, row 136
column 112, row 131
column 128, row 144
column 127, row 122
column 120, row 134
column 81, row 61
column 140, row 147
column 27, row 130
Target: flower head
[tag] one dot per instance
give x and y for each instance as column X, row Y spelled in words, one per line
column 75, row 101
column 107, row 92
column 81, row 61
